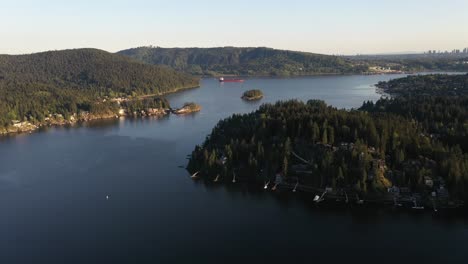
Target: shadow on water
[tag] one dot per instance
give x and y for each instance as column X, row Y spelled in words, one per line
column 362, row 214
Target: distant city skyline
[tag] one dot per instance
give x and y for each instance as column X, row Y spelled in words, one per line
column 331, row 27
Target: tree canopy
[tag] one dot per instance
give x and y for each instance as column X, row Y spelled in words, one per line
column 400, row 142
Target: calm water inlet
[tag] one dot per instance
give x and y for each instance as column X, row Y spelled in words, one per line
column 115, row 191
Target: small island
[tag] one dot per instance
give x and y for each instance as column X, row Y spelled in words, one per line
column 189, row 107
column 252, row 95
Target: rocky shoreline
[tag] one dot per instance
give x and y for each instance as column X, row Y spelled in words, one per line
column 59, row 120
column 187, row 109
column 254, row 98
column 53, row 120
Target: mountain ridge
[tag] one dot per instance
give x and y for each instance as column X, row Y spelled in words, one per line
column 246, row 61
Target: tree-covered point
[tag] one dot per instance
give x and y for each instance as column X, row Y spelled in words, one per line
column 244, row 61
column 252, row 94
column 341, row 149
column 132, row 106
column 432, row 85
column 69, row 81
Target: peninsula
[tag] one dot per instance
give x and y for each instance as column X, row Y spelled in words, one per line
column 406, row 151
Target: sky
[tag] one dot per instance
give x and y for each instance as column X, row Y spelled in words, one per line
column 325, row 26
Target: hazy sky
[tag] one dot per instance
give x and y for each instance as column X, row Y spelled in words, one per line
column 325, row 26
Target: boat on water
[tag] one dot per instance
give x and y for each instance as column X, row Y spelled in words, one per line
column 222, row 80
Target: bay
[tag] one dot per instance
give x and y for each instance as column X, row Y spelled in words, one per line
column 115, row 191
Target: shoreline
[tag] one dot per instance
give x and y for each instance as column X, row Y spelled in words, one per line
column 328, row 74
column 33, row 128
column 28, row 127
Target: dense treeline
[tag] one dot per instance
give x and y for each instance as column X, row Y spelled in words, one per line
column 439, row 103
column 244, row 61
column 430, row 85
column 445, row 118
column 344, row 149
column 136, row 106
column 70, row 81
column 416, row 62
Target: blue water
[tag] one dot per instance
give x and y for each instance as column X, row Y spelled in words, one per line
column 54, row 183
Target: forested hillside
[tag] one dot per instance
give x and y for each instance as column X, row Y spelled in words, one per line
column 69, row 81
column 243, row 61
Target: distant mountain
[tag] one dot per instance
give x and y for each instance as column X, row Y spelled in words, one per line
column 66, row 82
column 243, row 61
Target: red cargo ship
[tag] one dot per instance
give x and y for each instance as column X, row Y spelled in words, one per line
column 230, row 80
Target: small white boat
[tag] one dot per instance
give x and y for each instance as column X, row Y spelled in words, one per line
column 195, row 174
column 295, row 187
column 319, row 199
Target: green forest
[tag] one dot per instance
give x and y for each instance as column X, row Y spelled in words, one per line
column 430, row 85
column 71, row 81
column 406, row 142
column 136, row 106
column 439, row 103
column 244, row 61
